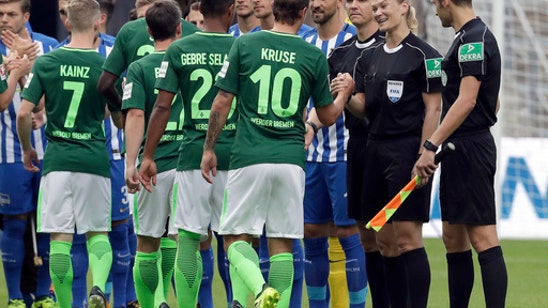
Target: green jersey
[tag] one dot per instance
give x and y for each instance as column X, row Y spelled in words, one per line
column 133, row 42
column 274, row 74
column 191, row 66
column 67, row 78
column 139, row 93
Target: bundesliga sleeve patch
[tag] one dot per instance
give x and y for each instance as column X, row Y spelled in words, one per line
column 2, row 73
column 163, row 69
column 433, row 68
column 471, row 52
column 29, row 79
column 224, row 69
column 128, row 88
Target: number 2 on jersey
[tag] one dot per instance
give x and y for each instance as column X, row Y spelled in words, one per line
column 207, row 84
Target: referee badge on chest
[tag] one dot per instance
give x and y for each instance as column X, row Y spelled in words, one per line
column 394, row 90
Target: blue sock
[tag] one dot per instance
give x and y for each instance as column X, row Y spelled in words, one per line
column 316, row 270
column 13, row 253
column 79, row 254
column 108, row 287
column 223, row 267
column 264, row 256
column 205, row 296
column 356, row 274
column 298, row 274
column 44, row 279
column 132, row 241
column 120, row 263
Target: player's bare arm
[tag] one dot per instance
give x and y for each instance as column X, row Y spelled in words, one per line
column 356, row 105
column 18, row 68
column 117, row 119
column 105, row 86
column 24, row 128
column 432, row 110
column 134, row 131
column 217, row 119
column 159, row 118
column 311, row 126
column 466, row 101
column 343, row 85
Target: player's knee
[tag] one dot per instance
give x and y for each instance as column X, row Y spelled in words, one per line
column 388, row 248
column 315, row 230
column 455, row 241
column 346, row 231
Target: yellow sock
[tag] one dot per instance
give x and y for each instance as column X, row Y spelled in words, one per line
column 338, row 286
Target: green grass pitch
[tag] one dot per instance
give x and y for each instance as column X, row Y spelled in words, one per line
column 526, row 260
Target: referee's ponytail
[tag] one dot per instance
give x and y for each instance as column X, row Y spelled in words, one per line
column 412, row 22
column 411, row 17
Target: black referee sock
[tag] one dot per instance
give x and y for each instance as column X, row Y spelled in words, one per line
column 460, row 271
column 494, row 277
column 396, row 281
column 418, row 276
column 375, row 277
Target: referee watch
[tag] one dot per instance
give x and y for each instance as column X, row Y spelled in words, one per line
column 430, row 146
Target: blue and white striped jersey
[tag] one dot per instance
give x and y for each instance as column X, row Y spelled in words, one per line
column 303, row 30
column 234, row 30
column 329, row 144
column 113, row 134
column 11, row 151
column 105, row 46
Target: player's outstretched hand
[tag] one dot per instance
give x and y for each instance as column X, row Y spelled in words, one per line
column 148, row 173
column 209, row 165
column 343, row 84
column 424, row 167
column 133, row 180
column 22, row 43
column 30, row 156
column 20, row 66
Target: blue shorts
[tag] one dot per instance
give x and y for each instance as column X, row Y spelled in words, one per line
column 120, row 202
column 18, row 189
column 325, row 194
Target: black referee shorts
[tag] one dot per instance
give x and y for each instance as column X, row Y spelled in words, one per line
column 387, row 171
column 467, row 194
column 355, row 171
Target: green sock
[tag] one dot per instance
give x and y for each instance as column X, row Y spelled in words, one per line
column 281, row 276
column 168, row 248
column 60, row 270
column 160, row 293
column 188, row 269
column 146, row 277
column 100, row 259
column 245, row 261
column 240, row 292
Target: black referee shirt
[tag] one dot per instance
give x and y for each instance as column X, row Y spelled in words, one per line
column 393, row 81
column 342, row 60
column 474, row 52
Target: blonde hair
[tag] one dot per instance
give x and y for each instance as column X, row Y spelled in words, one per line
column 81, row 14
column 141, row 3
column 412, row 22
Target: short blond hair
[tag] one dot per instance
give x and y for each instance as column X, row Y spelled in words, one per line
column 141, row 3
column 81, row 14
